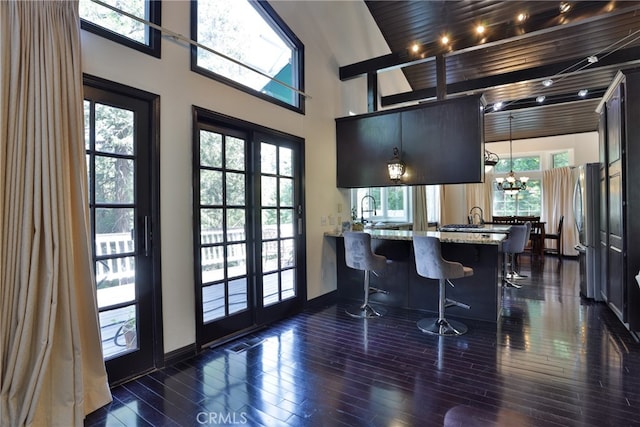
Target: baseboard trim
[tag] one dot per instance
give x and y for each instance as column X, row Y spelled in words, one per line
column 180, row 354
column 323, row 301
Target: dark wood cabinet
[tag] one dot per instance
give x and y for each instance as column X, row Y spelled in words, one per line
column 604, row 234
column 440, row 142
column 620, row 157
column 604, row 207
column 364, row 148
column 615, row 261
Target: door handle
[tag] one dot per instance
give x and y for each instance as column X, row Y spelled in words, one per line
column 147, row 236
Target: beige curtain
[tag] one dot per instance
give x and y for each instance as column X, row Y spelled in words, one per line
column 444, row 214
column 420, row 220
column 557, row 200
column 480, row 195
column 51, row 367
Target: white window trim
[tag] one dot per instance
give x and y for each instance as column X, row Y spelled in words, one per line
column 382, row 208
column 382, row 216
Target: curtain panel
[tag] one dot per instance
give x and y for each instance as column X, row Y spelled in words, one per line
column 480, row 195
column 51, row 366
column 557, row 200
column 420, row 220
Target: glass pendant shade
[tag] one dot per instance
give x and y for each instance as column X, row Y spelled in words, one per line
column 395, row 166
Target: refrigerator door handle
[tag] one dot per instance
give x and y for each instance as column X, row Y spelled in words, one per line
column 576, row 189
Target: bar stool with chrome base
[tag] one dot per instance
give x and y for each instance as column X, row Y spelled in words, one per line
column 360, row 256
column 514, row 244
column 430, row 264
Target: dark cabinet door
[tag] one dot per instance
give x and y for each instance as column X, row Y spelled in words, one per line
column 364, row 146
column 604, row 232
column 616, row 272
column 615, row 261
column 614, row 126
column 602, row 138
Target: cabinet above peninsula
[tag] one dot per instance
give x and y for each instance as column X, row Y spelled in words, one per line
column 440, row 142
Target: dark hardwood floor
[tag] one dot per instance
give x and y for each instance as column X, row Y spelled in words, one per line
column 556, row 360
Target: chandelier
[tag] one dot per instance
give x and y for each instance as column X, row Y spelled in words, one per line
column 511, row 185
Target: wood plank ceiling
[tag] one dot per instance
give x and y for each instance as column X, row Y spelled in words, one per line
column 511, row 59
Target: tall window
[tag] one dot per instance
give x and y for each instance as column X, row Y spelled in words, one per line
column 249, row 33
column 120, row 28
column 527, row 202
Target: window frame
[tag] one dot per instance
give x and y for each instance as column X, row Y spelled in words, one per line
column 278, row 26
column 153, row 48
column 546, row 163
column 382, row 208
column 533, row 177
column 553, row 154
column 382, row 205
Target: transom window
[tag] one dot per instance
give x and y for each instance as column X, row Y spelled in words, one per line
column 520, row 164
column 559, row 160
column 120, row 28
column 249, row 33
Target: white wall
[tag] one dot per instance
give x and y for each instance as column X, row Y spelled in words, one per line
column 334, row 34
column 584, row 146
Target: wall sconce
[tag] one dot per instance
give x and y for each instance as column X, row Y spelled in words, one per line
column 395, row 166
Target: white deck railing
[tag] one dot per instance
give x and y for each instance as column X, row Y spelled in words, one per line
column 118, row 275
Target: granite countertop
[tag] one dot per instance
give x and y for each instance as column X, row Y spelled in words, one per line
column 484, row 228
column 444, row 236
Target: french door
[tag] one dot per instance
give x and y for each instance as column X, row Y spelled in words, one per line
column 119, row 151
column 248, row 227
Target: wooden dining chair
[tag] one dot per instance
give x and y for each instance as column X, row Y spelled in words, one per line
column 503, row 219
column 557, row 237
column 536, row 240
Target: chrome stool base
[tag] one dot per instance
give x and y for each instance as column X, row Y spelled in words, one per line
column 516, row 275
column 443, row 327
column 510, row 284
column 366, row 311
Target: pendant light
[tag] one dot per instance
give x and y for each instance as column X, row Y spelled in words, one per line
column 511, row 185
column 395, row 167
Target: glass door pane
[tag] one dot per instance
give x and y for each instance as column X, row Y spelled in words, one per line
column 117, row 144
column 112, row 169
column 222, row 241
column 248, row 227
column 278, row 213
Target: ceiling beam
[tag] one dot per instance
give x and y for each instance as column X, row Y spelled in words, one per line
column 624, row 56
column 384, row 62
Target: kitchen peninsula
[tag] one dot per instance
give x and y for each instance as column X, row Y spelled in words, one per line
column 480, row 251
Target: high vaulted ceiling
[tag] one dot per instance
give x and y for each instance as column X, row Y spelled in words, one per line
column 511, row 59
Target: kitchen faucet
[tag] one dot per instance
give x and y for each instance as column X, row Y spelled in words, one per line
column 473, row 214
column 362, row 210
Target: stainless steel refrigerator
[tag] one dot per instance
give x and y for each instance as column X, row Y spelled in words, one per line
column 586, row 211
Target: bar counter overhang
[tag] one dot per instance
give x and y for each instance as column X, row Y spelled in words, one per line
column 479, row 250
